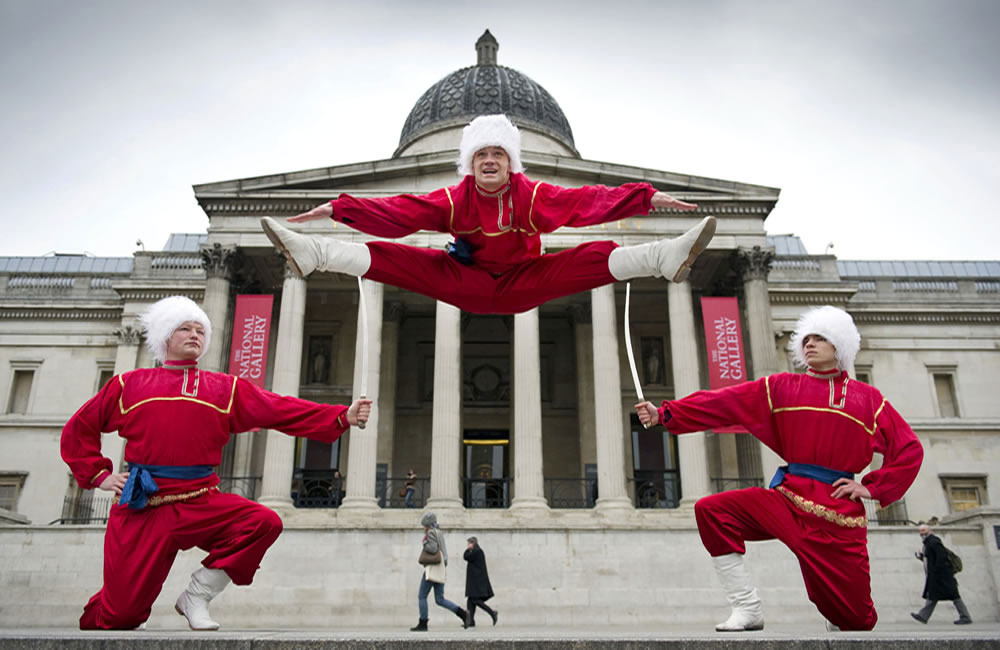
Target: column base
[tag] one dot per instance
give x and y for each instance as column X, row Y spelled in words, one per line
column 524, row 504
column 359, row 503
column 609, row 504
column 444, row 503
column 276, row 502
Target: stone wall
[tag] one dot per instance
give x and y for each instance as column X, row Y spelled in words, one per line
column 355, row 576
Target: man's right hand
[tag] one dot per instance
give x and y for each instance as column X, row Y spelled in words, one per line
column 648, row 414
column 321, row 211
column 114, row 483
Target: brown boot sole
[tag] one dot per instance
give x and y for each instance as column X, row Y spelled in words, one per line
column 699, row 246
column 276, row 241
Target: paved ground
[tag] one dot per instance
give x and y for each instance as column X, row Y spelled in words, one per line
column 937, row 635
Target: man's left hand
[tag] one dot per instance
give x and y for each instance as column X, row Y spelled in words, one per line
column 664, row 200
column 848, row 489
column 359, row 411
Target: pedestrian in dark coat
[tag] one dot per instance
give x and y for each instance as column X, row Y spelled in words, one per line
column 940, row 583
column 477, row 584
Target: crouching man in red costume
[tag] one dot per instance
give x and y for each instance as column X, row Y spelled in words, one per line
column 497, row 216
column 826, row 426
column 176, row 420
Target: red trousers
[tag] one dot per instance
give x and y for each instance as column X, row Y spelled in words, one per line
column 140, row 546
column 438, row 275
column 833, row 559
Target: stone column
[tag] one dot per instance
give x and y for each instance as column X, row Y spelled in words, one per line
column 218, row 263
column 693, row 459
column 529, row 485
column 754, row 265
column 279, row 454
column 129, row 339
column 447, row 411
column 608, row 416
column 391, row 319
column 360, row 490
column 584, row 335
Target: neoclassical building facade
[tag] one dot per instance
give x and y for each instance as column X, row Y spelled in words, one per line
column 522, row 425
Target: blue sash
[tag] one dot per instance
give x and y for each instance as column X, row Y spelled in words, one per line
column 140, row 483
column 815, row 472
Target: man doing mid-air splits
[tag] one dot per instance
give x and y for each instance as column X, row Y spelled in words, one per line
column 176, row 419
column 826, row 426
column 497, row 216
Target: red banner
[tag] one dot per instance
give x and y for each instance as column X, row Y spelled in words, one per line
column 251, row 329
column 724, row 342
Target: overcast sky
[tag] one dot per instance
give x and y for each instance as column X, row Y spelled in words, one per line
column 878, row 119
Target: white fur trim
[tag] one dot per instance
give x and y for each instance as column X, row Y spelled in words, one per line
column 836, row 326
column 163, row 318
column 489, row 131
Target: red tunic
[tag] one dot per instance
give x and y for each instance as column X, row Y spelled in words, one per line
column 180, row 415
column 823, row 419
column 508, row 273
column 816, row 418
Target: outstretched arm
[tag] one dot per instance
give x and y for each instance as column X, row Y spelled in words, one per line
column 388, row 216
column 664, row 200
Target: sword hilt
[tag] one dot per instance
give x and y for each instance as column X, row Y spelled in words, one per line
column 361, row 425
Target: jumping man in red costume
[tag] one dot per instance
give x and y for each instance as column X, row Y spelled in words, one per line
column 176, row 419
column 826, row 426
column 497, row 216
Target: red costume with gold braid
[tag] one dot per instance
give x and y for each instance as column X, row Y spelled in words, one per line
column 508, row 273
column 180, row 415
column 817, row 418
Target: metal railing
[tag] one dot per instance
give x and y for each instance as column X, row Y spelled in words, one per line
column 724, row 484
column 87, row 508
column 571, row 492
column 317, row 488
column 245, row 486
column 394, row 492
column 893, row 515
column 486, row 492
column 656, row 489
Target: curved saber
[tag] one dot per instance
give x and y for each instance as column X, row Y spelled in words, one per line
column 364, row 344
column 628, row 347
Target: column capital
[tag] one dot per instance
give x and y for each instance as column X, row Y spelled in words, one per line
column 753, row 263
column 219, row 261
column 128, row 335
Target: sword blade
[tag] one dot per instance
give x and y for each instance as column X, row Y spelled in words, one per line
column 628, row 346
column 363, row 308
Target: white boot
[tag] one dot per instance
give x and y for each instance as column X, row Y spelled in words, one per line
column 308, row 253
column 205, row 585
column 747, row 613
column 667, row 258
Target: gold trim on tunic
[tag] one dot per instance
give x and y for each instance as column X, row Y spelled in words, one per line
column 822, row 511
column 173, row 498
column 819, row 409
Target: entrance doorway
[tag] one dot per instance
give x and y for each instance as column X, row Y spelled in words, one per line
column 486, row 481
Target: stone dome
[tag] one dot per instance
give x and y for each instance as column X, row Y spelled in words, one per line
column 485, row 89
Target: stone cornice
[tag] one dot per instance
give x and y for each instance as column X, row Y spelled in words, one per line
column 949, row 316
column 151, row 294
column 954, row 425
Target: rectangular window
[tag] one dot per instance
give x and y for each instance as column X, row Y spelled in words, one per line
column 863, row 374
column 944, row 387
column 20, row 391
column 10, row 490
column 104, row 375
column 964, row 492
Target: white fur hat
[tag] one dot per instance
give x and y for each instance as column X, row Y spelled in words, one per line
column 162, row 319
column 489, row 131
column 836, row 326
